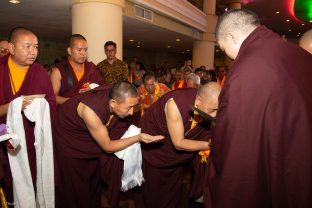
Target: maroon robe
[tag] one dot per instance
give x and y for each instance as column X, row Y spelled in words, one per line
column 80, row 158
column 162, row 163
column 262, row 143
column 36, row 81
column 91, row 75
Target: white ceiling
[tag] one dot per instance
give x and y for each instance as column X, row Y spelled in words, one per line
column 51, row 20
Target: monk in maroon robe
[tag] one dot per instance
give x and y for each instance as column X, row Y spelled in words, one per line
column 75, row 75
column 23, row 46
column 185, row 134
column 82, row 128
column 262, row 145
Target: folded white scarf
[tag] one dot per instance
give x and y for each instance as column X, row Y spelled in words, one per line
column 132, row 174
column 24, row 196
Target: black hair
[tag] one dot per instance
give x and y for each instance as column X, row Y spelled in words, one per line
column 17, row 31
column 108, row 43
column 121, row 90
column 75, row 37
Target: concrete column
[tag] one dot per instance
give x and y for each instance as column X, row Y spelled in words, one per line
column 203, row 54
column 99, row 21
column 235, row 5
column 203, row 50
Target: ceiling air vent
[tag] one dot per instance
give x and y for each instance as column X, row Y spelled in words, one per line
column 143, row 13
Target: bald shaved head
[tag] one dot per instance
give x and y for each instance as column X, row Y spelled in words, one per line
column 305, row 41
column 241, row 20
column 209, row 91
column 18, row 31
column 23, row 46
column 207, row 98
column 121, row 90
column 233, row 28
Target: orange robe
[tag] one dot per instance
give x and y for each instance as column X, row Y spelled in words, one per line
column 148, row 99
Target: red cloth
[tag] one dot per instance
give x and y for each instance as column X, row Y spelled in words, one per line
column 37, row 81
column 162, row 159
column 262, row 145
column 74, row 143
column 91, row 75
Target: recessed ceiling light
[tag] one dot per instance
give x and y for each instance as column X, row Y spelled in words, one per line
column 131, row 40
column 188, row 50
column 15, row 1
column 138, row 46
column 289, row 30
column 287, row 20
column 178, row 39
column 302, row 24
column 277, row 12
column 168, row 46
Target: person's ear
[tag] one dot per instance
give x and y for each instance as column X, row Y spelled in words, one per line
column 232, row 37
column 198, row 101
column 112, row 103
column 69, row 51
column 11, row 48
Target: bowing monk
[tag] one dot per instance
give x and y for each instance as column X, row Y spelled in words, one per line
column 262, row 145
column 185, row 133
column 75, row 75
column 20, row 75
column 82, row 130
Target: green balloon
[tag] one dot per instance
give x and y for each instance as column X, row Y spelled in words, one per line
column 303, row 10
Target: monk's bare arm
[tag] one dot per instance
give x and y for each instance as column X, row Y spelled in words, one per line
column 100, row 134
column 176, row 130
column 56, row 78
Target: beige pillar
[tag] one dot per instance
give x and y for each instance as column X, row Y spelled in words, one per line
column 203, row 54
column 235, row 5
column 99, row 21
column 210, row 6
column 203, row 50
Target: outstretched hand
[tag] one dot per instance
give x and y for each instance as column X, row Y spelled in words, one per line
column 146, row 138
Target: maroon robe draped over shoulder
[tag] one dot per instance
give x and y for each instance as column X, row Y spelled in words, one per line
column 76, row 150
column 162, row 163
column 262, row 143
column 36, row 81
column 91, row 75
